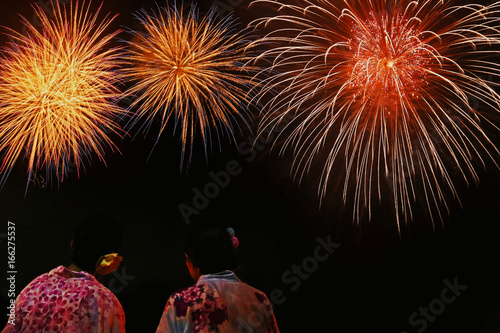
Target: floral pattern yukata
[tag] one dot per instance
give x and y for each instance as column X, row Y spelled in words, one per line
column 67, row 301
column 218, row 303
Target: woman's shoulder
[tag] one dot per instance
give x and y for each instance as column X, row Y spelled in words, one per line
column 191, row 293
column 82, row 283
column 204, row 304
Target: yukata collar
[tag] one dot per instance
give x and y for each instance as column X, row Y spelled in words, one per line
column 69, row 274
column 224, row 275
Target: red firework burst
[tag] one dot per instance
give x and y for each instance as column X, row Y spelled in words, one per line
column 389, row 89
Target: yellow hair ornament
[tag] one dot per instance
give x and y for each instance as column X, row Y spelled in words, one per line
column 108, row 263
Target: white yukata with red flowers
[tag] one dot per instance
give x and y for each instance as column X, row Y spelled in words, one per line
column 218, row 303
column 67, row 301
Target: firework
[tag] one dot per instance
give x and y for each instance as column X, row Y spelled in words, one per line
column 190, row 70
column 389, row 91
column 57, row 88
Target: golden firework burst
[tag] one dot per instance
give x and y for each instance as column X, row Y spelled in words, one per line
column 190, row 70
column 58, row 89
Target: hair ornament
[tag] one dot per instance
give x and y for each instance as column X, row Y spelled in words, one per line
column 234, row 240
column 108, row 263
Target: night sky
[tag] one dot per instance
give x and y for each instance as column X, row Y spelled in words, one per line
column 374, row 279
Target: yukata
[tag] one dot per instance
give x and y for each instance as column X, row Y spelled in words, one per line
column 66, row 301
column 218, row 303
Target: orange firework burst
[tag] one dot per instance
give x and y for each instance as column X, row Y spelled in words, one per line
column 389, row 88
column 57, row 89
column 190, row 70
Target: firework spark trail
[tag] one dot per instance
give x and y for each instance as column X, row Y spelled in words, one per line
column 388, row 88
column 190, row 70
column 58, row 92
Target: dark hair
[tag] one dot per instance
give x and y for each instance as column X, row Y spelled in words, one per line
column 209, row 247
column 94, row 237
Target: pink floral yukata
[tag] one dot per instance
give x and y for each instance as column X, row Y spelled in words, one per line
column 218, row 303
column 67, row 301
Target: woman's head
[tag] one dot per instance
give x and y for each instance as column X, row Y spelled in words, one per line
column 94, row 237
column 209, row 247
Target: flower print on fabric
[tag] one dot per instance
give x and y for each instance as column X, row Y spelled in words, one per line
column 206, row 311
column 67, row 301
column 218, row 303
